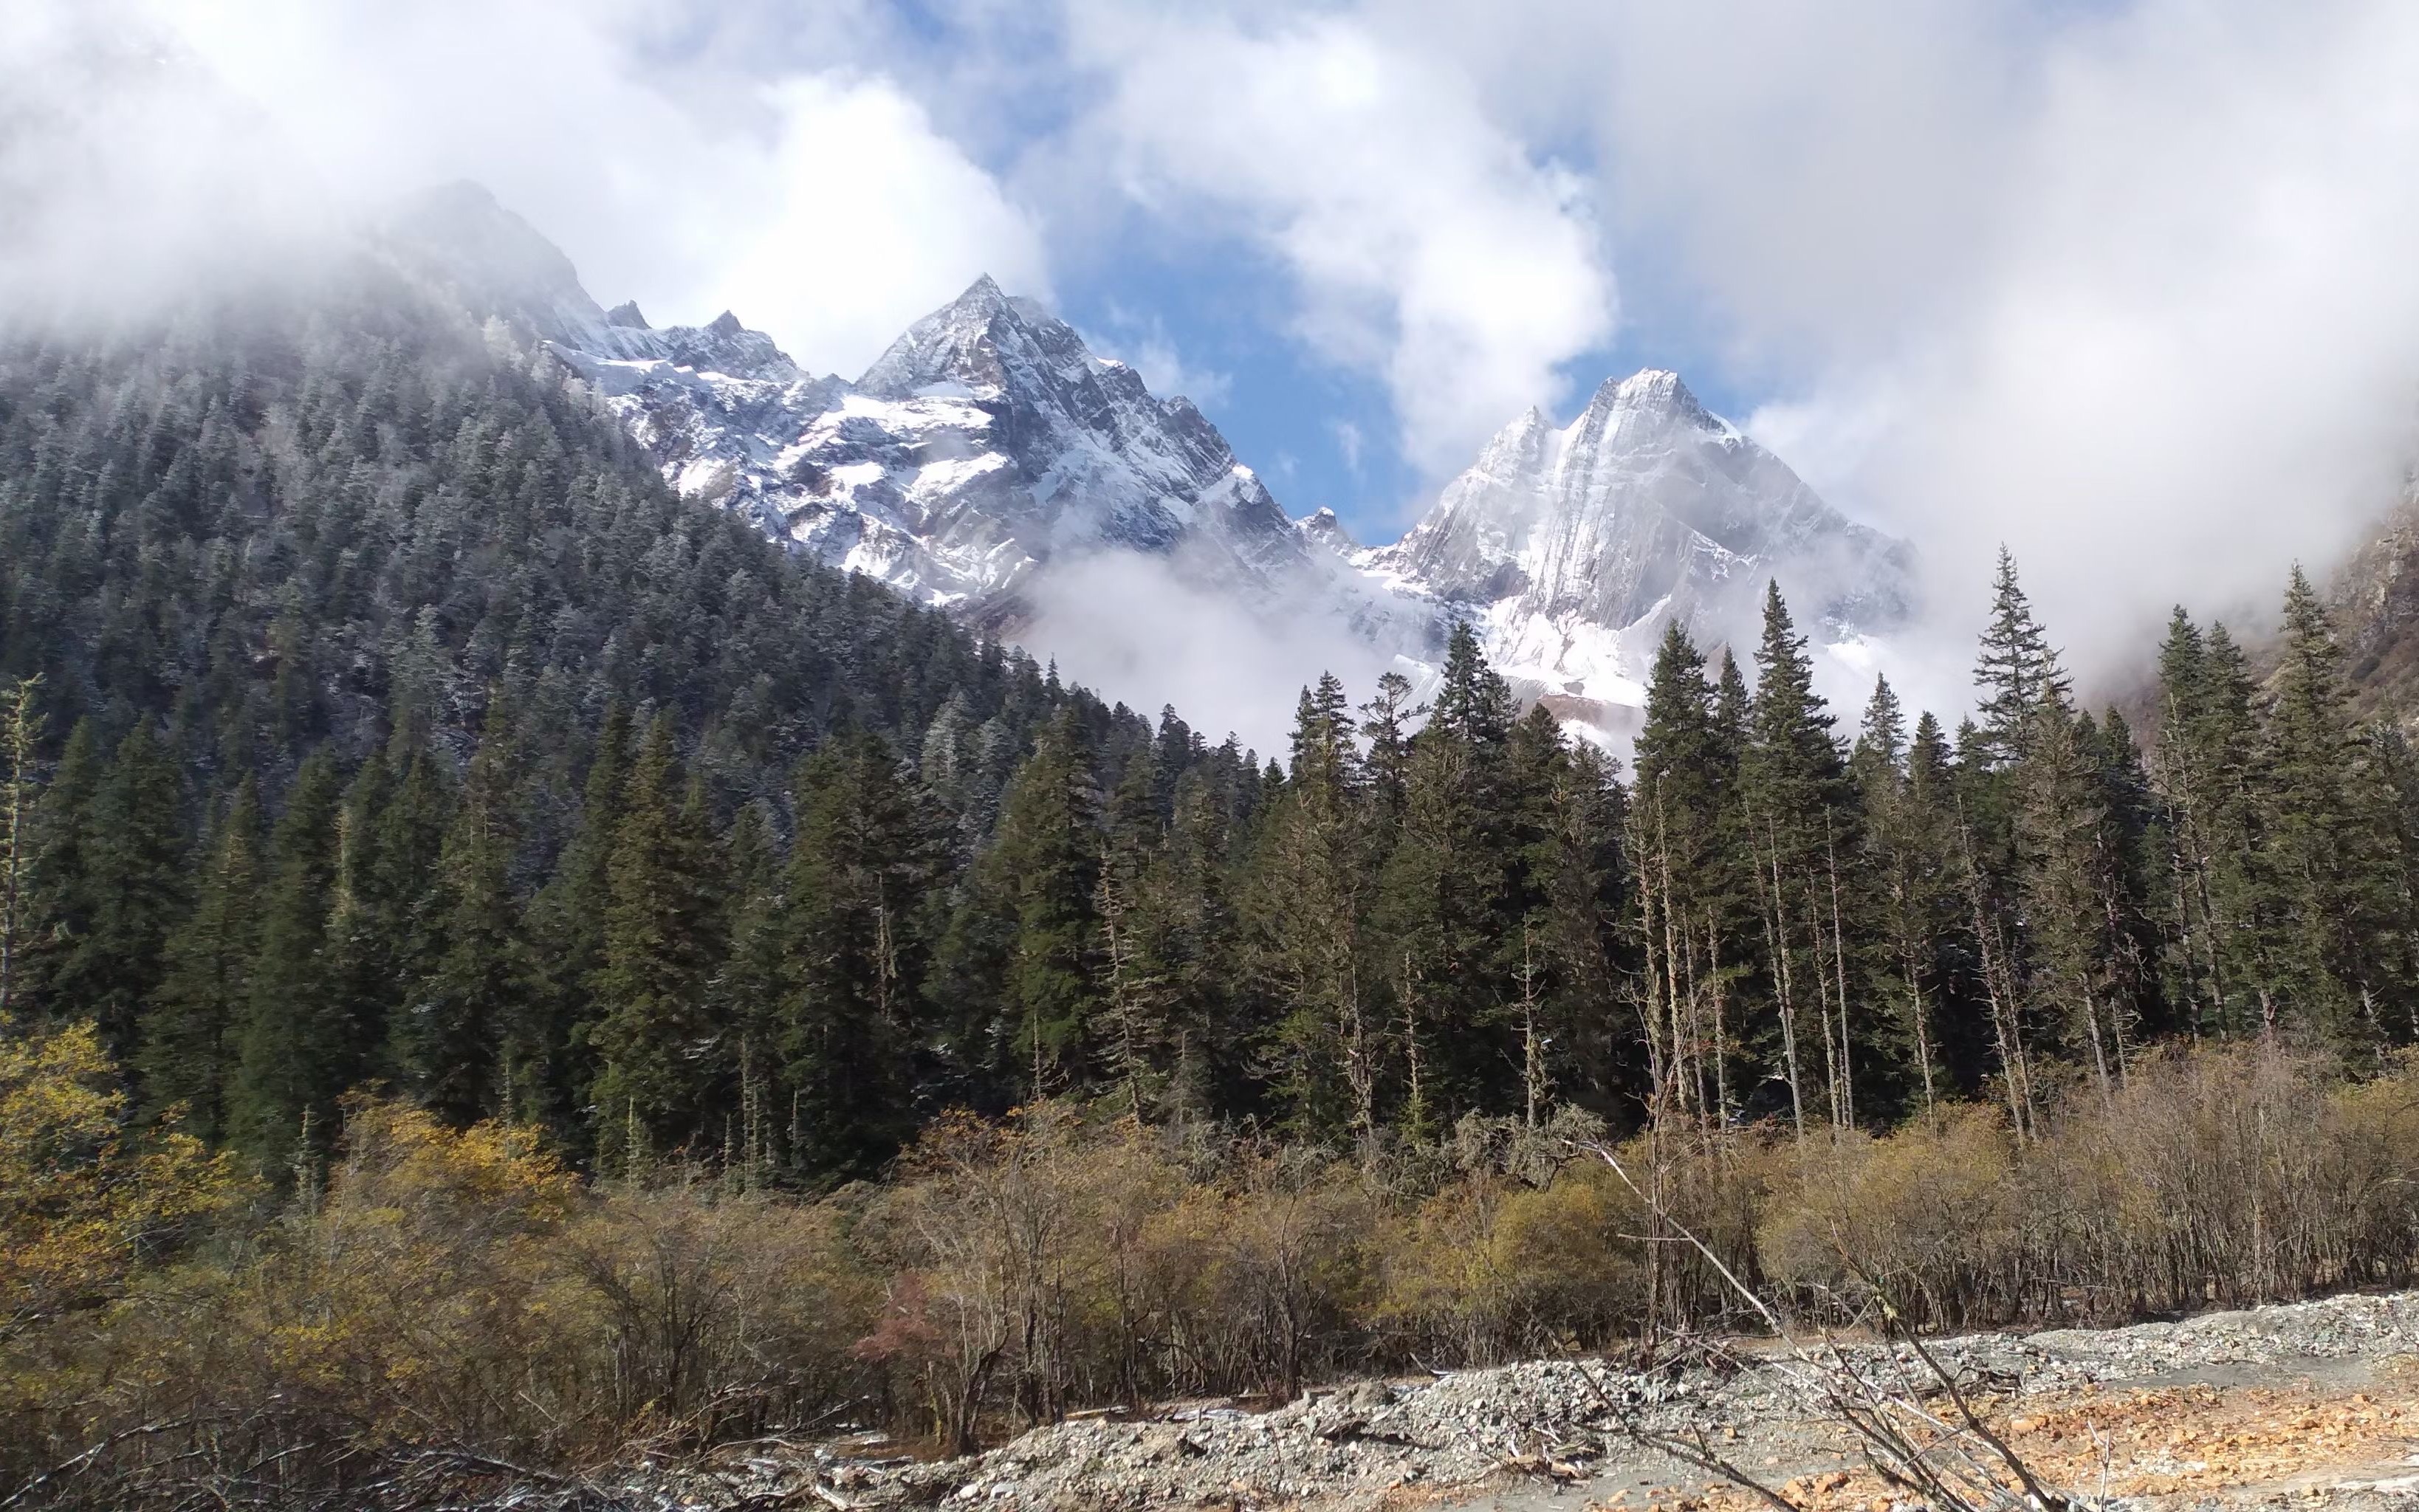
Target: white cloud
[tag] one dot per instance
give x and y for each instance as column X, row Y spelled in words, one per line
column 2193, row 354
column 1430, row 246
column 114, row 154
column 1347, row 440
column 808, row 192
column 872, row 219
column 1127, row 626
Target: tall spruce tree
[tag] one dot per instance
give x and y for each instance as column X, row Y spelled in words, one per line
column 1904, row 785
column 2016, row 671
column 2341, row 961
column 1449, row 900
column 449, row 1040
column 1577, row 901
column 659, row 951
column 127, row 892
column 2067, row 890
column 56, row 898
column 546, row 1038
column 1680, row 819
column 1794, row 800
column 747, row 994
column 1039, row 880
column 1311, row 910
column 863, row 871
column 1385, row 723
column 296, row 1048
column 188, row 1027
column 1134, row 990
column 2018, row 677
column 1194, row 949
column 2197, row 769
column 2134, row 845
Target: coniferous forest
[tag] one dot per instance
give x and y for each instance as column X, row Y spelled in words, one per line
column 414, row 813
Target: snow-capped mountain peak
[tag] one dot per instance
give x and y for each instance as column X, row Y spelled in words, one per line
column 984, row 340
column 1653, row 391
column 1322, row 528
column 1575, row 545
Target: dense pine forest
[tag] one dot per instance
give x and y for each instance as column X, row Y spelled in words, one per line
column 449, row 879
column 393, row 724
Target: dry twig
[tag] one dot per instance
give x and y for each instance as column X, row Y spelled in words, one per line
column 1954, row 1460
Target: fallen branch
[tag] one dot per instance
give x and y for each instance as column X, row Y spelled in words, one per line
column 1957, row 1464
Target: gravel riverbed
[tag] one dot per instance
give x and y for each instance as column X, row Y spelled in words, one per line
column 1535, row 1433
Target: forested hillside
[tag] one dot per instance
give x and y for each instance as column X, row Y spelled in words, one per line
column 381, row 721
column 379, row 718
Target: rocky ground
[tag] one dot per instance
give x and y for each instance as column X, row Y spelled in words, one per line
column 2308, row 1405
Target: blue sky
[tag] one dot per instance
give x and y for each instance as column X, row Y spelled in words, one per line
column 1319, row 433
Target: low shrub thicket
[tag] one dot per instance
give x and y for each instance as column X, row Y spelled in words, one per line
column 458, row 1293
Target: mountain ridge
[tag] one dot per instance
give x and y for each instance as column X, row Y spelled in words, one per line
column 989, row 443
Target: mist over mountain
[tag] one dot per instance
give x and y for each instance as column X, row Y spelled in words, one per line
column 989, row 463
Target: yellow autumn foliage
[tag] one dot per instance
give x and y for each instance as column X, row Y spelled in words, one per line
column 443, row 1292
column 82, row 1201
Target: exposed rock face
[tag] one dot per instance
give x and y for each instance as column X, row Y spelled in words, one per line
column 2376, row 599
column 993, row 436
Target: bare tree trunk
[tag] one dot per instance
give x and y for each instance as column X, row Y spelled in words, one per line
column 1360, row 1064
column 1680, row 1047
column 1840, row 977
column 2012, row 1070
column 1822, row 1006
column 1650, row 1015
column 1722, row 1031
column 751, row 1116
column 1532, row 1049
column 1695, row 1001
column 2099, row 1052
column 1922, row 1018
column 1776, row 933
column 19, row 730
